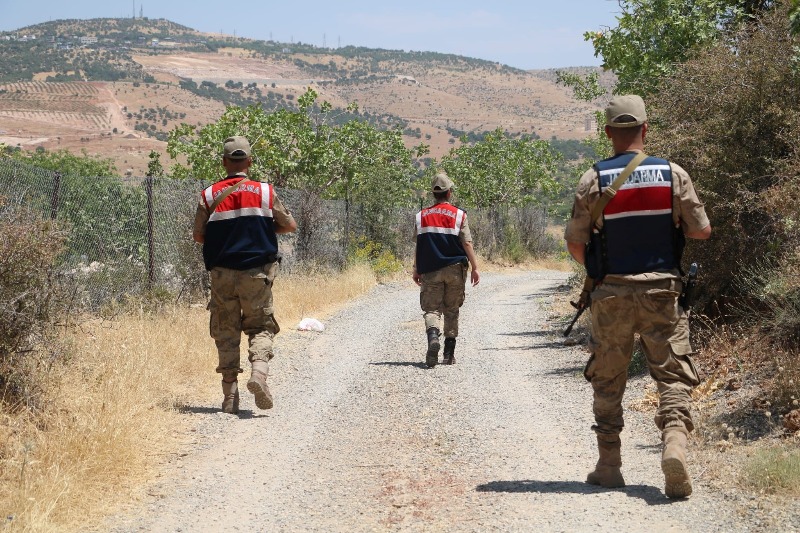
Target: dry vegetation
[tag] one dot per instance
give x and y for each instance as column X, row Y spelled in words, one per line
column 82, row 115
column 118, row 395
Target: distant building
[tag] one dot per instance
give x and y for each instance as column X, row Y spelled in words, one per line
column 406, row 79
column 88, row 40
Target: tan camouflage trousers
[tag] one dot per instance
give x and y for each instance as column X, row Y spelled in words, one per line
column 651, row 309
column 241, row 302
column 442, row 294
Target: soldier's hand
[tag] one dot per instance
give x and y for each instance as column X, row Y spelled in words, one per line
column 584, row 299
column 416, row 277
column 475, row 277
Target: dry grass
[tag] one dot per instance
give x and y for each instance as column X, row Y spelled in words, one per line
column 111, row 416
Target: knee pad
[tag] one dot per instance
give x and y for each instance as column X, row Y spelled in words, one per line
column 230, row 375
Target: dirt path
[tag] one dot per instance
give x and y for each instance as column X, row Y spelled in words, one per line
column 364, row 438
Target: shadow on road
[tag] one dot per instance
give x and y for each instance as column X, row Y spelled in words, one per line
column 566, row 371
column 537, row 346
column 417, row 364
column 198, row 410
column 528, row 334
column 650, row 495
column 205, row 410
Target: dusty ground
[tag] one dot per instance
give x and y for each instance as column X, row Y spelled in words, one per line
column 81, row 116
column 363, row 437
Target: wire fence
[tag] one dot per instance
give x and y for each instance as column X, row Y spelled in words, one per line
column 132, row 236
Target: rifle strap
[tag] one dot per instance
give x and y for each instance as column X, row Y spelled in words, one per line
column 228, row 190
column 611, row 191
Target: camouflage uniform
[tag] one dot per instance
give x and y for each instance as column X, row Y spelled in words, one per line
column 647, row 304
column 237, row 221
column 241, row 302
column 442, row 256
column 442, row 295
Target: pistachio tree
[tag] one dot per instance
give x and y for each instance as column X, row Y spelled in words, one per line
column 308, row 150
column 501, row 171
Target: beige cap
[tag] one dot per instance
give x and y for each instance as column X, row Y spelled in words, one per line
column 626, row 111
column 441, row 183
column 236, row 148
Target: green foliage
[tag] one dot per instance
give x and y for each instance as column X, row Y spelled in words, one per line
column 154, row 167
column 82, row 197
column 586, row 88
column 652, row 37
column 730, row 117
column 794, row 17
column 513, row 247
column 68, row 163
column 382, row 261
column 502, row 171
column 302, row 150
column 773, row 470
column 638, row 363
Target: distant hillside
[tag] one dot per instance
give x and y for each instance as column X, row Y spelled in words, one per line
column 165, row 73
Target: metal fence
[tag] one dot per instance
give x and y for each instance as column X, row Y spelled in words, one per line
column 132, row 236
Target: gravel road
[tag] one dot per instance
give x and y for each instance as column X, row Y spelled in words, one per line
column 363, row 437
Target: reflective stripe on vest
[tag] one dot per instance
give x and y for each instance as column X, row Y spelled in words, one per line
column 638, row 233
column 240, row 233
column 438, row 244
column 257, row 201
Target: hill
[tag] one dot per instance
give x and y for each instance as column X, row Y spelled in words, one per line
column 116, row 86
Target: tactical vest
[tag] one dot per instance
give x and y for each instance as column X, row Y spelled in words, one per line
column 637, row 234
column 438, row 244
column 240, row 233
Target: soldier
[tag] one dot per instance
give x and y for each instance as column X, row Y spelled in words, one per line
column 633, row 254
column 443, row 250
column 237, row 222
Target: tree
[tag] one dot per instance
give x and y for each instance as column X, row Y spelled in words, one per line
column 299, row 149
column 306, row 150
column 653, row 36
column 503, row 171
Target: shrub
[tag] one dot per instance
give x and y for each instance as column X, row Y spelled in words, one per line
column 29, row 247
column 730, row 117
column 382, row 261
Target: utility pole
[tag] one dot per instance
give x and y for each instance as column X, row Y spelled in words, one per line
column 339, row 42
column 324, row 45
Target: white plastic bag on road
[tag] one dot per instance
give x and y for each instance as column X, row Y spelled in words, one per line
column 310, row 324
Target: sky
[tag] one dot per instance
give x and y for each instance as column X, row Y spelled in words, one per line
column 526, row 34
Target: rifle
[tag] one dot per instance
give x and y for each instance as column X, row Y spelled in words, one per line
column 583, row 302
column 687, row 295
column 608, row 193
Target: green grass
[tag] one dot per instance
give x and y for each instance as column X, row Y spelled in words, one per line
column 774, row 470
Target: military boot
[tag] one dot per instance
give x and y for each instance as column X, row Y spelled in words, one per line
column 607, row 472
column 230, row 397
column 432, row 357
column 257, row 384
column 673, row 463
column 448, row 354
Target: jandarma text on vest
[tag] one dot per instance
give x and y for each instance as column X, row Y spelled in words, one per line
column 438, row 211
column 651, row 174
column 255, row 189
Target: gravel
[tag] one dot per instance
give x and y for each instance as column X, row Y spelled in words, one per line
column 364, row 437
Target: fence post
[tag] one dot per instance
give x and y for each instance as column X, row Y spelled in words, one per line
column 54, row 196
column 151, row 267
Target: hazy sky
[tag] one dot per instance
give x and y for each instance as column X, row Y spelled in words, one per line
column 526, row 34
